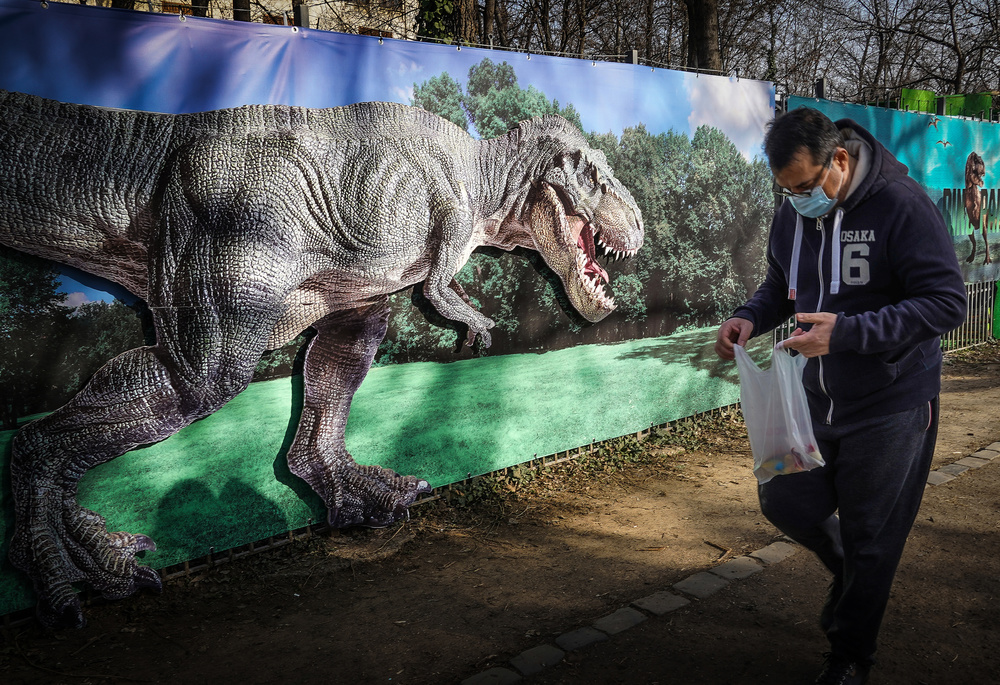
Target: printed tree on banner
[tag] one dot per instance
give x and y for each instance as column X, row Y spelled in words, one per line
column 94, row 333
column 706, row 209
column 31, row 320
column 493, row 103
column 442, row 95
column 496, row 104
column 48, row 351
column 715, row 251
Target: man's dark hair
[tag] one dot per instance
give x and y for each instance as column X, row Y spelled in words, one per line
column 801, row 128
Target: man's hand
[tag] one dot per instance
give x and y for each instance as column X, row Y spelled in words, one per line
column 815, row 342
column 735, row 330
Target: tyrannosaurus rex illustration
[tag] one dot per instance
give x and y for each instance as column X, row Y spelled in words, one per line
column 975, row 171
column 242, row 227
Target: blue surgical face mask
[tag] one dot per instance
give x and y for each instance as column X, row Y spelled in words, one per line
column 813, row 205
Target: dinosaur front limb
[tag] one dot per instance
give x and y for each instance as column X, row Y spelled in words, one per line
column 440, row 293
column 453, row 219
column 338, row 359
column 470, row 336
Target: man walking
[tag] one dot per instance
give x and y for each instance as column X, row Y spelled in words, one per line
column 861, row 256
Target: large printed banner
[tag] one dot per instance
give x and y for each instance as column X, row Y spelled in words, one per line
column 956, row 160
column 687, row 148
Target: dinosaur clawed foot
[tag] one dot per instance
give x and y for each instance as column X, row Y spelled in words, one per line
column 60, row 608
column 373, row 496
column 61, row 543
column 480, row 327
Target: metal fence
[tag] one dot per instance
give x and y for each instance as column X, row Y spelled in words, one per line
column 978, row 325
column 975, row 330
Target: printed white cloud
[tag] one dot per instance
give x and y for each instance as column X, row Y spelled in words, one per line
column 74, row 300
column 408, row 67
column 404, row 95
column 738, row 107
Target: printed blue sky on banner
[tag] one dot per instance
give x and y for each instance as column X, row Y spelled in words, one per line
column 609, row 96
column 156, row 62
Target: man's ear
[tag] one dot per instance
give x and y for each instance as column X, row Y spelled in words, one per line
column 841, row 157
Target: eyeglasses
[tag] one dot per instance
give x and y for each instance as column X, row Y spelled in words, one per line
column 818, row 181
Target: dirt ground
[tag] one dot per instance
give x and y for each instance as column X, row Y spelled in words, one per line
column 512, row 562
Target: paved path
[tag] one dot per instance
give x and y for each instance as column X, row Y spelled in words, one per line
column 752, row 619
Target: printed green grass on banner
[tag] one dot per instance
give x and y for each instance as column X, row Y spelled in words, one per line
column 223, row 481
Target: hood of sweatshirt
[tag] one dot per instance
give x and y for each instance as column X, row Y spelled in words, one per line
column 883, row 169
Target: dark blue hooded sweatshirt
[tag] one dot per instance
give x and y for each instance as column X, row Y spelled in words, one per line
column 898, row 288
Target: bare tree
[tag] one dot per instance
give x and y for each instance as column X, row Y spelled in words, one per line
column 241, row 10
column 959, row 47
column 703, row 34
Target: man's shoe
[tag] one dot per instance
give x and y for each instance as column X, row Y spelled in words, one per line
column 838, row 670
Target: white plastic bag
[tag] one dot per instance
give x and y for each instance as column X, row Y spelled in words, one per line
column 777, row 415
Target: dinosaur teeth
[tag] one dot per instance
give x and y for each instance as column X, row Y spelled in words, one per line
column 593, row 284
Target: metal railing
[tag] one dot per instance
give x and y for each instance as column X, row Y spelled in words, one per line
column 978, row 325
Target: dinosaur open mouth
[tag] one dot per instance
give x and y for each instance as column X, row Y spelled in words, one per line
column 588, row 269
column 579, row 248
column 590, row 248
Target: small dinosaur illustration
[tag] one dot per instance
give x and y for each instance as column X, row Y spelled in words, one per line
column 975, row 171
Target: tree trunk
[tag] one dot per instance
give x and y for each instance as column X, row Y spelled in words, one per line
column 772, row 46
column 466, row 22
column 488, row 12
column 241, row 10
column 543, row 16
column 703, row 34
column 300, row 13
column 9, row 417
column 959, row 79
column 648, row 46
column 123, row 4
column 500, row 17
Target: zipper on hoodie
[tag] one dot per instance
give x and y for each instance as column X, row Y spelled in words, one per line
column 819, row 307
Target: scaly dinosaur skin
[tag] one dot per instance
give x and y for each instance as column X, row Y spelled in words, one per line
column 242, row 227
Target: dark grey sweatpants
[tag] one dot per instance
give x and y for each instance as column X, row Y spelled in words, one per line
column 874, row 477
